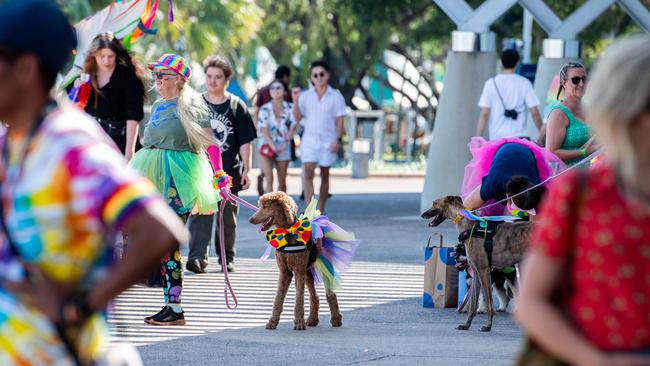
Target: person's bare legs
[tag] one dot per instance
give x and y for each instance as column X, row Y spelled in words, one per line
column 324, row 187
column 282, row 167
column 308, row 180
column 267, row 168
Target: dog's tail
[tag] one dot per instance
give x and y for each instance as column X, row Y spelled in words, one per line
column 337, row 253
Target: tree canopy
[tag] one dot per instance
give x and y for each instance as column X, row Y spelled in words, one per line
column 352, row 36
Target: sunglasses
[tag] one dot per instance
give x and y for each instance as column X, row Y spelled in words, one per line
column 318, row 75
column 161, row 75
column 576, row 80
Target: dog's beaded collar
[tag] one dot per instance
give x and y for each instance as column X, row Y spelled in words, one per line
column 300, row 232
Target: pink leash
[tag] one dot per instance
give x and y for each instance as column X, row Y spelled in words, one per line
column 224, row 266
column 228, row 290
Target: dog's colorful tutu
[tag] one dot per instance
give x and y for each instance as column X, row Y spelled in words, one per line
column 548, row 164
column 338, row 250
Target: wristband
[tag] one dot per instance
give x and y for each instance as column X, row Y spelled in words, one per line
column 583, row 152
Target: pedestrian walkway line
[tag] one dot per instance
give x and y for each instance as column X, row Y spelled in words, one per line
column 366, row 284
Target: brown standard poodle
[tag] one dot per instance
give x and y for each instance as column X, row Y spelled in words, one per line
column 280, row 210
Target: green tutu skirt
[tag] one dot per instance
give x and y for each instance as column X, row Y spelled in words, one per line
column 190, row 172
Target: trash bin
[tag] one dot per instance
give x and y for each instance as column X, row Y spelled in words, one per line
column 360, row 158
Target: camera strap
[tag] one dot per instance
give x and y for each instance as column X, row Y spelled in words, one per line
column 498, row 93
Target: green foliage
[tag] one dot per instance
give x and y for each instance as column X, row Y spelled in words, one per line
column 350, row 35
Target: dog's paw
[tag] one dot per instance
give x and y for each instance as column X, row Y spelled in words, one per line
column 462, row 327
column 485, row 328
column 312, row 322
column 300, row 325
column 271, row 325
column 337, row 321
column 502, row 310
column 481, row 311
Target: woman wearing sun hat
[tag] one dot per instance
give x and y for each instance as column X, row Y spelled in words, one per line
column 176, row 138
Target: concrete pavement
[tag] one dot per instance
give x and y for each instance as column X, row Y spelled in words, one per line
column 384, row 322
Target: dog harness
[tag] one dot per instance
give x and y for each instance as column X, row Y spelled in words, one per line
column 483, row 230
column 295, row 239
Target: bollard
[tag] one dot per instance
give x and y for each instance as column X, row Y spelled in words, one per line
column 360, row 158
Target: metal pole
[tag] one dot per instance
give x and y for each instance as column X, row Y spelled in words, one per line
column 528, row 35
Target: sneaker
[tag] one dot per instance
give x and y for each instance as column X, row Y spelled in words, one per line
column 168, row 317
column 148, row 318
column 230, row 267
column 194, row 265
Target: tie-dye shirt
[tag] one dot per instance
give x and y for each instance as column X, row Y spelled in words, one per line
column 62, row 204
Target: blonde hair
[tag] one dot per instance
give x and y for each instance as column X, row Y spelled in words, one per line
column 619, row 92
column 191, row 109
column 564, row 73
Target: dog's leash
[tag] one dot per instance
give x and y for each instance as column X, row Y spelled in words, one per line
column 224, row 266
column 222, row 181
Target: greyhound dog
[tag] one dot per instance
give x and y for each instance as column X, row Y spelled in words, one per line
column 509, row 243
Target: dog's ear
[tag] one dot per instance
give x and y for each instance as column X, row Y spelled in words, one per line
column 458, row 199
column 454, row 200
column 290, row 209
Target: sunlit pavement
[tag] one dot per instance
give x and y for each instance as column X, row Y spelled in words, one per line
column 383, row 320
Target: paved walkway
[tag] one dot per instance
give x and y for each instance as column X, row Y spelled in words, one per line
column 367, row 284
column 383, row 320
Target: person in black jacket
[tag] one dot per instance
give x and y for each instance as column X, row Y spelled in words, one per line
column 117, row 96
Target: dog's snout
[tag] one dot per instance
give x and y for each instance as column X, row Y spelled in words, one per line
column 428, row 213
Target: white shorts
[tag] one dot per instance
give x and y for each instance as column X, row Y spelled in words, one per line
column 317, row 153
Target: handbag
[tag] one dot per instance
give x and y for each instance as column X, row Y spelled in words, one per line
column 267, row 151
column 531, row 353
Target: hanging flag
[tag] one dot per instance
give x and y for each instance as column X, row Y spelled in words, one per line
column 128, row 20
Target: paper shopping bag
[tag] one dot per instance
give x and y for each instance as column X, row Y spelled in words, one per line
column 440, row 277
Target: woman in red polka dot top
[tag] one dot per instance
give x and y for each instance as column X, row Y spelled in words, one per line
column 602, row 253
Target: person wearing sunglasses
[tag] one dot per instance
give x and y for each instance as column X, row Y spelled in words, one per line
column 567, row 136
column 321, row 109
column 65, row 190
column 176, row 138
column 277, row 127
column 117, row 95
column 263, row 96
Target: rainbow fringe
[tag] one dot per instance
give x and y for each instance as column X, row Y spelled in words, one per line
column 338, row 249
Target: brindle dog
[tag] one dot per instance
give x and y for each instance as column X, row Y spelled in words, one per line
column 509, row 243
column 277, row 208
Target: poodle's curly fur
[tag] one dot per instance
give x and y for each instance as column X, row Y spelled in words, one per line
column 280, row 210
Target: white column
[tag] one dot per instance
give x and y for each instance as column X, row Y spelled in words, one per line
column 456, row 122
